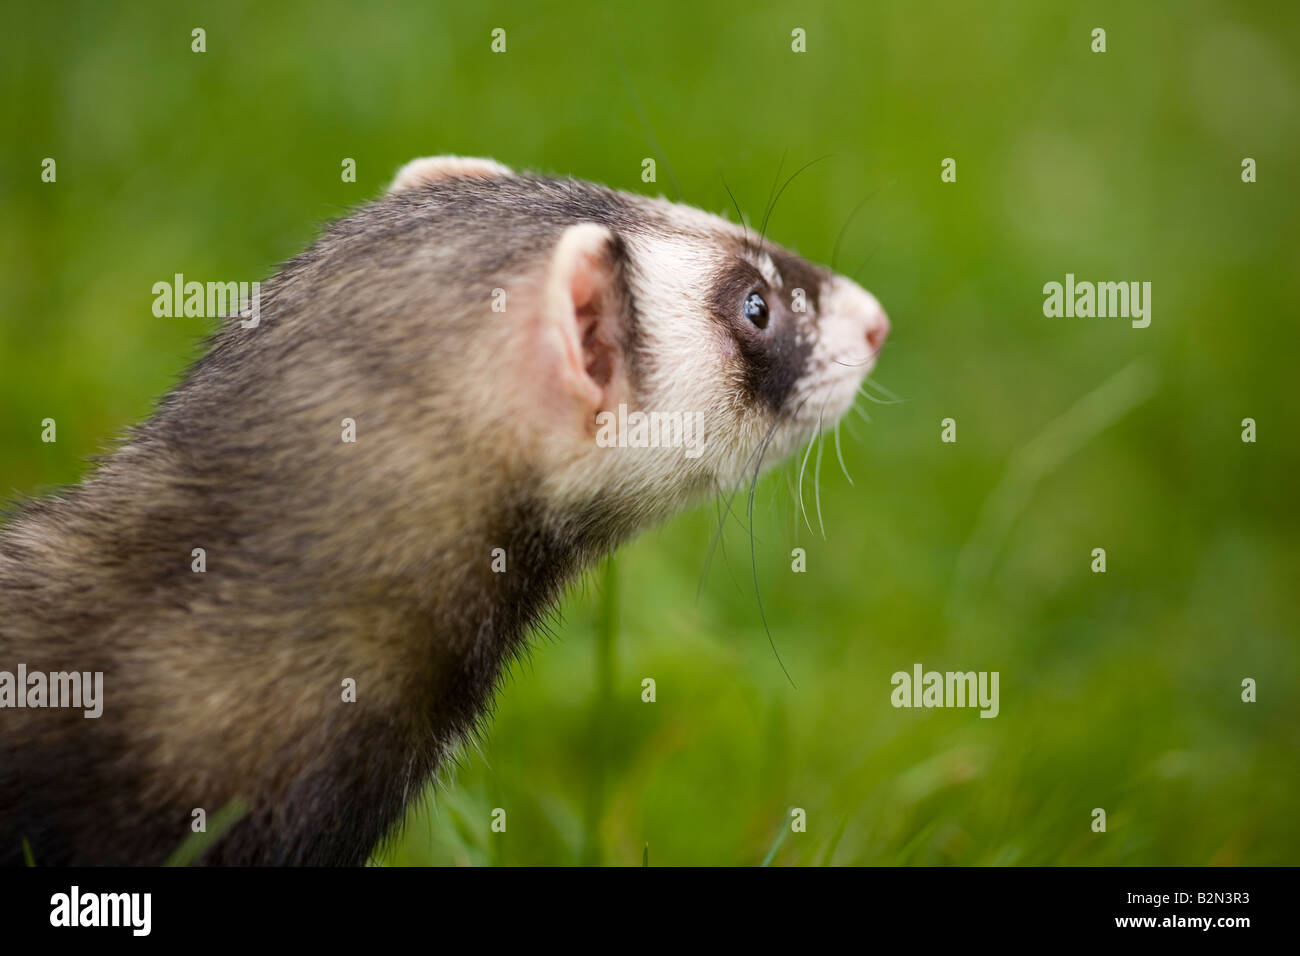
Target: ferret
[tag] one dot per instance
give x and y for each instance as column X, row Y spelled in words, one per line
column 361, row 593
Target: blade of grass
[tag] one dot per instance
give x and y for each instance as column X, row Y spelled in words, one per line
column 1035, row 461
column 601, row 726
column 828, row 852
column 771, row 854
column 197, row 843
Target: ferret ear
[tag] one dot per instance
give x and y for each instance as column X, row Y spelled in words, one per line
column 432, row 169
column 581, row 334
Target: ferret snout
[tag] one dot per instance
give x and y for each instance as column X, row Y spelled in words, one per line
column 877, row 326
column 860, row 321
column 865, row 309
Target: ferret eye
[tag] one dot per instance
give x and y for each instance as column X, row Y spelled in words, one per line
column 756, row 310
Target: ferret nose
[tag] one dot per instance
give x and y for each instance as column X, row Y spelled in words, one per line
column 877, row 330
column 867, row 309
column 857, row 318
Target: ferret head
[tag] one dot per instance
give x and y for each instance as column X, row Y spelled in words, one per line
column 588, row 358
column 649, row 352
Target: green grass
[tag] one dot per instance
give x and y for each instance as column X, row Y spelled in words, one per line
column 1118, row 690
column 197, row 842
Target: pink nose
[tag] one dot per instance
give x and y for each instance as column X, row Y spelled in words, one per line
column 877, row 330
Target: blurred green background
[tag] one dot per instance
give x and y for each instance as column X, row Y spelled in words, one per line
column 1118, row 690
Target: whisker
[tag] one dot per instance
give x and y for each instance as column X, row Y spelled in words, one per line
column 835, row 250
column 872, row 355
column 817, row 470
column 801, row 471
column 757, row 457
column 839, row 239
column 840, row 454
column 753, row 557
column 879, row 401
column 771, row 193
column 744, row 225
column 789, row 483
column 644, row 119
column 880, row 388
column 762, row 233
column 858, row 271
column 722, row 544
column 817, row 483
column 866, row 361
column 717, row 534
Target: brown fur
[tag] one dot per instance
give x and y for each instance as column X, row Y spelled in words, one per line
column 325, row 560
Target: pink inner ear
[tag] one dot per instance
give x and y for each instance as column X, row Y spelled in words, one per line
column 599, row 350
column 576, row 353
